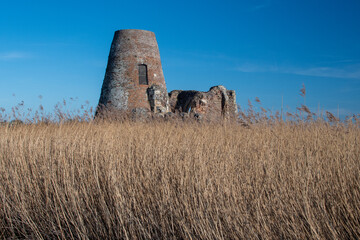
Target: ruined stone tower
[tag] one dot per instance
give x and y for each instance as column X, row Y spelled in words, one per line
column 134, row 84
column 134, row 81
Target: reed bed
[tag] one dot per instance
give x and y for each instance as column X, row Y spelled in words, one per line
column 180, row 180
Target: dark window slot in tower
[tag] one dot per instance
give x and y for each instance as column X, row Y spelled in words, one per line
column 143, row 78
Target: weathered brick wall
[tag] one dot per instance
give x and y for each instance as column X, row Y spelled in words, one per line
column 232, row 107
column 216, row 104
column 121, row 89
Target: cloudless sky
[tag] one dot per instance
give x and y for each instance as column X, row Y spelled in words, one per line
column 259, row 48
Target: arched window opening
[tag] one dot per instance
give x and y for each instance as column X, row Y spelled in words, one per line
column 143, row 78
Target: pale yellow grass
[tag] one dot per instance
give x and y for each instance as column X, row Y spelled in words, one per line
column 179, row 181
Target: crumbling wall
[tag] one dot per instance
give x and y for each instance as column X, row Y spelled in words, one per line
column 216, row 104
column 159, row 102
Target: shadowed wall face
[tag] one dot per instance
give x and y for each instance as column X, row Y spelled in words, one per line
column 134, row 67
column 216, row 104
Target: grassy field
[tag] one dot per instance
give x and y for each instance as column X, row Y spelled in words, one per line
column 175, row 180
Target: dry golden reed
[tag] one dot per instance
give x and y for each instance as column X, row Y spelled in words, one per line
column 173, row 180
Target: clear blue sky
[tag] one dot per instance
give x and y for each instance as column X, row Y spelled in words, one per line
column 265, row 49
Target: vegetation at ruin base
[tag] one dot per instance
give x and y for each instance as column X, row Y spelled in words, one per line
column 261, row 179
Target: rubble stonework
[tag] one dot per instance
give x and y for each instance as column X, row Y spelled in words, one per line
column 217, row 103
column 134, row 84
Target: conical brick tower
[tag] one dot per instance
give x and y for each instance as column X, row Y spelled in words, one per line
column 134, row 81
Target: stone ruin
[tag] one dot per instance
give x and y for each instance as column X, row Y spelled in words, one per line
column 134, row 84
column 217, row 103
